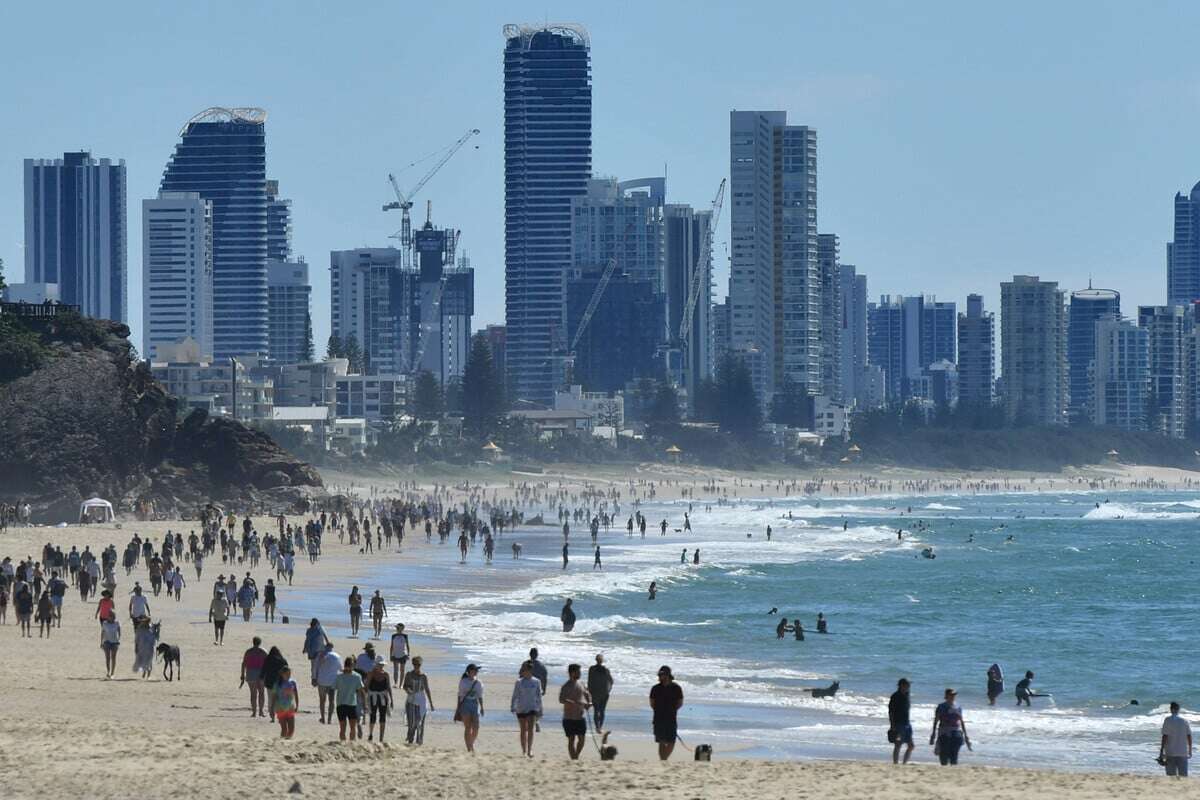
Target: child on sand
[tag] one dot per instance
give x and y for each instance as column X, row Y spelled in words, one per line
column 287, row 703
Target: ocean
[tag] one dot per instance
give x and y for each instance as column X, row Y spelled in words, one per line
column 1095, row 592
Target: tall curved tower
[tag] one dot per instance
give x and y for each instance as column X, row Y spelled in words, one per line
column 547, row 162
column 221, row 156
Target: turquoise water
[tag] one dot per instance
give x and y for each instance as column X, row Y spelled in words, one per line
column 1095, row 592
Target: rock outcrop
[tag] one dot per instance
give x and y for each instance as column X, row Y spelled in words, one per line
column 91, row 421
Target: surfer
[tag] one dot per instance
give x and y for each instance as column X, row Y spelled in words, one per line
column 1025, row 689
column 995, row 683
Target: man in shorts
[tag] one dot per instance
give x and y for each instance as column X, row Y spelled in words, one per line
column 666, row 698
column 329, row 666
column 575, row 701
column 350, row 695
column 1176, row 746
column 252, row 665
column 218, row 612
column 399, row 654
column 899, row 727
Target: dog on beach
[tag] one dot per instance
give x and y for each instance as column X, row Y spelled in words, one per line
column 830, row 691
column 704, row 752
column 608, row 752
column 172, row 663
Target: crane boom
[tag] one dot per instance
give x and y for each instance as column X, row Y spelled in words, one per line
column 594, row 301
column 700, row 275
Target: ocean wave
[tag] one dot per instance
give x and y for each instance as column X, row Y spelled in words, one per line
column 942, row 507
column 1119, row 511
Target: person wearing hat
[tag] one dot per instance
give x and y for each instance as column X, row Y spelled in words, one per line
column 666, row 698
column 949, row 730
column 470, row 705
column 399, row 652
column 365, row 662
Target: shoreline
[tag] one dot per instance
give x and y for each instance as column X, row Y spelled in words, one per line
column 136, row 717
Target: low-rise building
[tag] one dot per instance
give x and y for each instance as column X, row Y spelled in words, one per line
column 553, row 423
column 375, row 398
column 223, row 388
column 607, row 409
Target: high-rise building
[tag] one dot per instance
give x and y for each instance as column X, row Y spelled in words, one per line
column 279, row 225
column 177, row 272
column 374, row 302
column 939, row 332
column 853, row 350
column 976, row 354
column 722, row 322
column 1033, row 350
column 547, row 163
column 622, row 218
column 774, row 283
column 447, row 302
column 1166, row 408
column 832, row 308
column 221, row 156
column 686, row 232
column 1120, row 374
column 1183, row 254
column 290, row 299
column 75, row 234
column 620, row 343
column 1087, row 306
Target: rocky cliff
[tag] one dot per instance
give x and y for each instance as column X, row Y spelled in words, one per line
column 79, row 418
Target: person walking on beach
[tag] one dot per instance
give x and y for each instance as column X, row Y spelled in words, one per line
column 350, row 695
column 600, row 683
column 949, row 732
column 470, row 705
column 527, row 706
column 1176, row 747
column 399, row 654
column 285, row 702
column 355, row 602
column 596, row 561
column 378, row 609
column 995, row 683
column 575, row 701
column 252, row 665
column 218, row 612
column 269, row 601
column 380, row 699
column 110, row 641
column 539, row 669
column 418, row 700
column 314, row 645
column 568, row 617
column 666, row 698
column 900, row 731
column 329, row 666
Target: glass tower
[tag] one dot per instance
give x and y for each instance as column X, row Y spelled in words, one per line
column 547, row 162
column 1087, row 307
column 222, row 156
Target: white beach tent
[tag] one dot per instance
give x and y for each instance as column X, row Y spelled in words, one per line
column 96, row 510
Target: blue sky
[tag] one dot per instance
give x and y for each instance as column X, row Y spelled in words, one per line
column 958, row 143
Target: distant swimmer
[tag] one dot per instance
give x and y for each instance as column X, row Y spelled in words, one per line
column 781, row 628
column 774, row 610
column 568, row 617
column 683, row 556
column 653, row 589
column 822, row 623
column 845, row 525
column 928, row 553
column 899, row 535
column 798, row 629
column 696, row 556
column 663, row 528
column 768, row 533
column 970, row 538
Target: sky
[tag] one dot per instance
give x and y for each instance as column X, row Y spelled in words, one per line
column 958, row 143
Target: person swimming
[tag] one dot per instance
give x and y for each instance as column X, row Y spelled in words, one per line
column 822, row 623
column 781, row 628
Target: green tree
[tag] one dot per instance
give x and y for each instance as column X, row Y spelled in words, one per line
column 664, row 408
column 738, row 410
column 352, row 352
column 2, row 283
column 309, row 351
column 482, row 391
column 428, row 402
column 704, row 405
column 791, row 406
column 334, row 348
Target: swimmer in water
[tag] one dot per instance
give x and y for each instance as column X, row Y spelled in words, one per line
column 774, row 610
column 781, row 628
column 822, row 623
column 653, row 589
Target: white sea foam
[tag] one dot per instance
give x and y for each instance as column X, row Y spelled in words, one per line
column 941, row 507
column 1108, row 511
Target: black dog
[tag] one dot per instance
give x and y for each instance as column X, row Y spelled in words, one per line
column 704, row 752
column 608, row 752
column 830, row 692
column 172, row 663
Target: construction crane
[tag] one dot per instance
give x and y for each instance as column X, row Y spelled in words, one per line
column 700, row 276
column 403, row 201
column 594, row 301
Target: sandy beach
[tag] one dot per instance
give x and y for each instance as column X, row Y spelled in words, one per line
column 68, row 731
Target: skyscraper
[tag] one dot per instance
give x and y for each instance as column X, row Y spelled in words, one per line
column 376, row 303
column 1033, row 350
column 1120, row 375
column 939, row 332
column 853, row 351
column 1183, row 254
column 619, row 344
column 289, row 299
column 894, row 328
column 686, row 229
column 1087, row 306
column 221, row 156
column 774, row 282
column 976, row 354
column 75, row 233
column 279, row 225
column 828, row 262
column 1166, row 408
column 177, row 272
column 547, row 162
